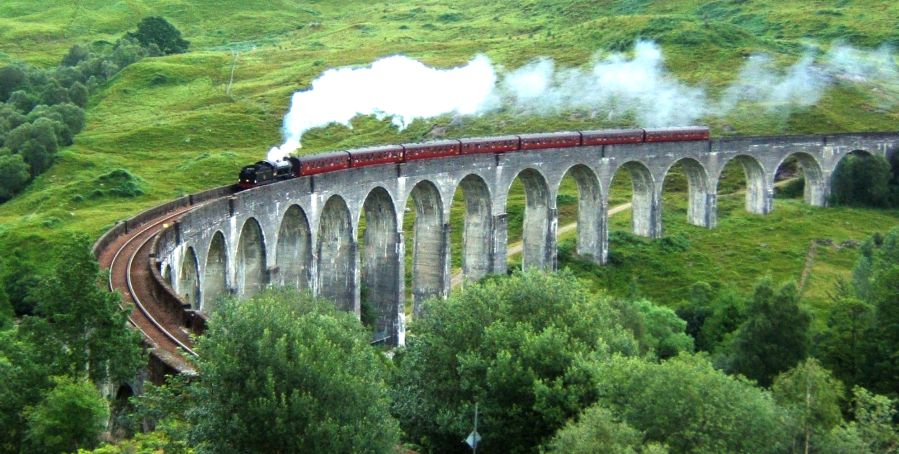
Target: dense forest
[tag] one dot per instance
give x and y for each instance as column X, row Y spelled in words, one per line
column 770, row 333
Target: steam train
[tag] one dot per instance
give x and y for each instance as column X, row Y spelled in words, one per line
column 265, row 172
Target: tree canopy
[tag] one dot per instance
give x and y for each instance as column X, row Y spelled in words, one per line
column 156, row 31
column 288, row 373
column 518, row 346
column 775, row 335
column 690, row 406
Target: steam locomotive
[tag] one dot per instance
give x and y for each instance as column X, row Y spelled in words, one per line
column 265, row 172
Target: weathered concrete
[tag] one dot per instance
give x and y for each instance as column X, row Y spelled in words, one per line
column 306, row 232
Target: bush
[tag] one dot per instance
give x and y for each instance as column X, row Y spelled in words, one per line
column 117, row 183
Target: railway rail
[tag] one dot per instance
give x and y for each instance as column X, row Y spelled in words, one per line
column 126, row 251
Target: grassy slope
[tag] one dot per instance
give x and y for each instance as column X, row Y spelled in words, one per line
column 170, row 121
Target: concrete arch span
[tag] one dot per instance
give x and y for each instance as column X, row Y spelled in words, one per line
column 477, row 233
column 645, row 207
column 592, row 231
column 215, row 273
column 188, row 286
column 293, row 254
column 430, row 271
column 816, row 188
column 700, row 201
column 536, row 234
column 337, row 255
column 251, row 273
column 380, row 263
column 758, row 194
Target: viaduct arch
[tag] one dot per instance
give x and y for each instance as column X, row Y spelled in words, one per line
column 308, row 232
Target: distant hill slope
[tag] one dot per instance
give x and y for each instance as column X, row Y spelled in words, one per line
column 173, row 126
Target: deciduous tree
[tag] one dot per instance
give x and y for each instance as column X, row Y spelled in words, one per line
column 520, row 346
column 690, row 406
column 70, row 416
column 775, row 335
column 14, row 174
column 288, row 373
column 79, row 327
column 156, row 30
column 813, row 396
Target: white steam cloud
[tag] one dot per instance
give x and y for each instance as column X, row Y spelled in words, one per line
column 395, row 87
column 404, row 90
column 638, row 85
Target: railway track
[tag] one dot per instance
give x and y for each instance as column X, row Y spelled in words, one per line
column 127, row 259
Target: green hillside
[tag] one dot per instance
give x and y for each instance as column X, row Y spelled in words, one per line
column 173, row 124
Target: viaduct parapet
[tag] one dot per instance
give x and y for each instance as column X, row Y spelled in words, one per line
column 303, row 232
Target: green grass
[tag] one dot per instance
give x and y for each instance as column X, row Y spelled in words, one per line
column 170, row 123
column 741, row 249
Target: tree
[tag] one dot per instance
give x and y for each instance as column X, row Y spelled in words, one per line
column 882, row 282
column 278, row 375
column 7, row 316
column 658, row 329
column 54, row 93
column 690, row 406
column 841, row 344
column 18, row 280
column 598, row 430
column 872, row 429
column 13, row 174
column 12, row 78
column 728, row 312
column 76, row 54
column 862, row 181
column 23, row 101
column 71, row 416
column 519, row 346
column 775, row 335
column 23, row 379
column 813, row 396
column 78, row 94
column 79, row 327
column 158, row 31
column 36, row 155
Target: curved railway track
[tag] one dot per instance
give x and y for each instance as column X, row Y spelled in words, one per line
column 127, row 259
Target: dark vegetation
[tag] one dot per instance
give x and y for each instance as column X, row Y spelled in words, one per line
column 52, row 361
column 549, row 363
column 41, row 110
column 866, row 181
column 551, row 366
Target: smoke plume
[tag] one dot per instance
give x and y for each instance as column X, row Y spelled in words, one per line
column 404, row 90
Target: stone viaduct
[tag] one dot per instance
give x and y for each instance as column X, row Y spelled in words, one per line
column 303, row 232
